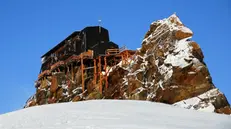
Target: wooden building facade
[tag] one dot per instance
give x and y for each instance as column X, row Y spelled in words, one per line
column 94, row 38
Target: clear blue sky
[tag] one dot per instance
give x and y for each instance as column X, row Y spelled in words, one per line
column 30, row 28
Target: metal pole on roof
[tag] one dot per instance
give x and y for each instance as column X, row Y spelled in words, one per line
column 99, row 25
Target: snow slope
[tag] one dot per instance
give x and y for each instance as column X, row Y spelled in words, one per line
column 112, row 114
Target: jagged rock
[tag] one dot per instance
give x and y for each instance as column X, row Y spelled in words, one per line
column 212, row 100
column 54, row 84
column 76, row 98
column 196, row 51
column 133, row 84
column 183, row 32
column 176, row 64
column 94, row 95
column 51, row 100
column 59, row 93
column 31, row 103
column 139, row 94
column 41, row 96
column 224, row 110
column 44, row 84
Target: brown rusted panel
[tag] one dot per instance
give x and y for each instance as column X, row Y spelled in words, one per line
column 54, row 84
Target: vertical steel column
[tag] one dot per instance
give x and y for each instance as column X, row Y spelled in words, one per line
column 82, row 70
column 100, row 77
column 95, row 72
column 72, row 72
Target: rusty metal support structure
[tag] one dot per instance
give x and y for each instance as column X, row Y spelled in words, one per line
column 100, row 64
column 126, row 55
column 72, row 72
column 95, row 72
column 100, row 75
column 82, row 71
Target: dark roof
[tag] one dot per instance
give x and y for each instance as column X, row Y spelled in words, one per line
column 88, row 27
column 61, row 43
column 70, row 36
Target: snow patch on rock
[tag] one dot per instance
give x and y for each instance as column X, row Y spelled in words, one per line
column 197, row 103
column 180, row 55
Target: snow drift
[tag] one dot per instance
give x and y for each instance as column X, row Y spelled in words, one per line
column 112, row 114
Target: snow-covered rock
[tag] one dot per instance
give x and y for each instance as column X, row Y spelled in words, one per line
column 169, row 68
column 208, row 101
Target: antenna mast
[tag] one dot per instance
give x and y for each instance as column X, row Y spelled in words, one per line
column 99, row 25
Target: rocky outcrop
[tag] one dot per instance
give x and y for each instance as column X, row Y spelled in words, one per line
column 168, row 68
column 212, row 100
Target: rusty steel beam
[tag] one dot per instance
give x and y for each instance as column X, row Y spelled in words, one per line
column 100, row 77
column 95, row 72
column 82, row 71
column 57, row 64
